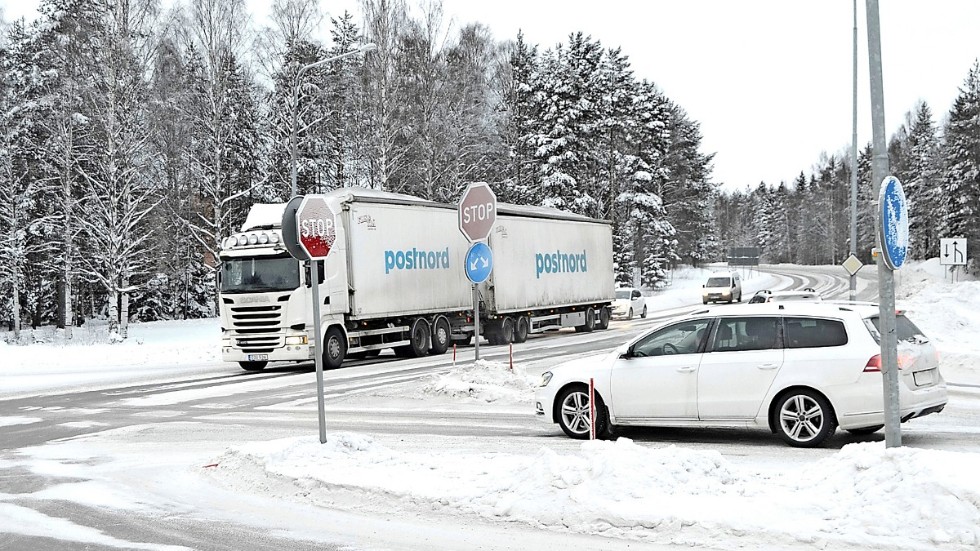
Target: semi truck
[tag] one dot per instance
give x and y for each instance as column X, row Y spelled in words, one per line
column 395, row 279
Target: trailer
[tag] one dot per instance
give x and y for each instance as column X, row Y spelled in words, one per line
column 395, row 279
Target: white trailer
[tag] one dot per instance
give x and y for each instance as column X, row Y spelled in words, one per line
column 395, row 279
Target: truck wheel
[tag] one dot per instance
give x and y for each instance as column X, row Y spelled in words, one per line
column 441, row 333
column 420, row 338
column 334, row 348
column 521, row 329
column 253, row 366
column 506, row 330
column 604, row 316
column 589, row 322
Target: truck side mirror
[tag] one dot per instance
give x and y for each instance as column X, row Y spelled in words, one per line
column 306, row 272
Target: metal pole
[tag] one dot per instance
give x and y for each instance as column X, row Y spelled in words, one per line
column 854, row 159
column 886, row 278
column 476, row 321
column 318, row 347
column 292, row 133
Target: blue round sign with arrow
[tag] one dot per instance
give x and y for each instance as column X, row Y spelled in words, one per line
column 893, row 223
column 479, row 262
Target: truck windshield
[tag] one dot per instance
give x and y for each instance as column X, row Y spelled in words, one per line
column 260, row 274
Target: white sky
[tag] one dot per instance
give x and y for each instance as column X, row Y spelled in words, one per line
column 769, row 80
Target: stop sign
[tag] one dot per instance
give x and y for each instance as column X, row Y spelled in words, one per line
column 477, row 212
column 315, row 227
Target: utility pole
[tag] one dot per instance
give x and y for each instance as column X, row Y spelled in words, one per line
column 886, row 277
column 854, row 158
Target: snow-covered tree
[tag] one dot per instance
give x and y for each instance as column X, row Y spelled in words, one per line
column 961, row 159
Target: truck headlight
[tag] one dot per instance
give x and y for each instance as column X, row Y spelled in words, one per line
column 298, row 339
column 545, row 378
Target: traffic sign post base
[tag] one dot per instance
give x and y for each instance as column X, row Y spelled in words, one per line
column 318, row 349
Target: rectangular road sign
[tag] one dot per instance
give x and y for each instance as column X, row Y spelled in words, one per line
column 952, row 251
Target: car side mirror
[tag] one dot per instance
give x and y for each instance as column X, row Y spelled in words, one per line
column 626, row 353
column 704, row 286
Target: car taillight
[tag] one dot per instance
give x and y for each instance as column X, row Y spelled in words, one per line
column 874, row 364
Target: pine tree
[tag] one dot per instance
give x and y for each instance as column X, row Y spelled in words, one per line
column 921, row 184
column 961, row 158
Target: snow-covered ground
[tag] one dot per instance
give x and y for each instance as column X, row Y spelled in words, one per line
column 864, row 496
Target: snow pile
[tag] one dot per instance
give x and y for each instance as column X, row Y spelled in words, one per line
column 889, row 496
column 865, row 495
column 484, row 381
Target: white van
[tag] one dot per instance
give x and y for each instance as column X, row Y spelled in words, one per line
column 722, row 286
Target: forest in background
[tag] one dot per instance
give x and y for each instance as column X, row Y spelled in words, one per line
column 133, row 139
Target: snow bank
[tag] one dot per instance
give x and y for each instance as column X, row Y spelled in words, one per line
column 484, row 381
column 865, row 495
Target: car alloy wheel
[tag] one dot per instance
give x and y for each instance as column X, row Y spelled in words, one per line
column 573, row 413
column 805, row 419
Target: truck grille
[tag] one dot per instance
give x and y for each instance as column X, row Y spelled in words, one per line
column 257, row 328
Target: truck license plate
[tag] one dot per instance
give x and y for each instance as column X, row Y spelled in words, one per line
column 258, row 357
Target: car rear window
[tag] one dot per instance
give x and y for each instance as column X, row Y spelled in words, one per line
column 905, row 330
column 814, row 333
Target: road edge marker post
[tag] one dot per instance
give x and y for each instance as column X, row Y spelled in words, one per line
column 591, row 408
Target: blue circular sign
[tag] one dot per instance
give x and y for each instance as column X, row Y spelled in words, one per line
column 893, row 223
column 479, row 262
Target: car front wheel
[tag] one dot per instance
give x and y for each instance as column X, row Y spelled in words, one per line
column 573, row 413
column 804, row 418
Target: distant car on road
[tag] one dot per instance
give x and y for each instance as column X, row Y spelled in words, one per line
column 722, row 286
column 802, row 369
column 807, row 294
column 629, row 301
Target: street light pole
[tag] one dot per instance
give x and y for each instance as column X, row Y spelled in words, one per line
column 854, row 157
column 292, row 134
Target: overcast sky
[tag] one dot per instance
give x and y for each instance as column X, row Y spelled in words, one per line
column 769, row 80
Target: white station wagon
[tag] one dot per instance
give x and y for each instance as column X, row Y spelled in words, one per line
column 800, row 369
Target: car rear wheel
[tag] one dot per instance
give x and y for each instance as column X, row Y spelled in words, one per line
column 573, row 413
column 630, row 315
column 804, row 418
column 644, row 314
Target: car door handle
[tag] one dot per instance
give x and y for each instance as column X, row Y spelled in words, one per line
column 687, row 369
column 768, row 366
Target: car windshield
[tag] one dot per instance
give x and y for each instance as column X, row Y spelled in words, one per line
column 719, row 281
column 257, row 275
column 623, row 293
column 905, row 330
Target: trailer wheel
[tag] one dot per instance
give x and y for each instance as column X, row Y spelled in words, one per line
column 604, row 316
column 506, row 334
column 521, row 329
column 334, row 348
column 441, row 333
column 589, row 322
column 253, row 366
column 420, row 338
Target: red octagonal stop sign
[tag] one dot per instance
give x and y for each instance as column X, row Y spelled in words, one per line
column 315, row 227
column 477, row 212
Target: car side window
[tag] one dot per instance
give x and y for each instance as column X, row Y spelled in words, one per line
column 739, row 334
column 814, row 333
column 683, row 338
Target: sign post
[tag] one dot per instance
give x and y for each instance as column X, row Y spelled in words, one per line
column 311, row 235
column 477, row 215
column 893, row 238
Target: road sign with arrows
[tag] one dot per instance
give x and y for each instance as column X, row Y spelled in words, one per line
column 952, row 251
column 479, row 262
